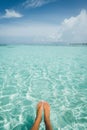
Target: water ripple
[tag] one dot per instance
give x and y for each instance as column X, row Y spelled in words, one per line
column 30, row 74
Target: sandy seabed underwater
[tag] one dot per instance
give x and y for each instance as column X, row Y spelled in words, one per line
column 56, row 74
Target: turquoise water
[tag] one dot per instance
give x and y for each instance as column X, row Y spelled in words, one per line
column 57, row 75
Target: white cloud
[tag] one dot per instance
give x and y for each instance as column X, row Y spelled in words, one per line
column 11, row 14
column 74, row 29
column 27, row 32
column 36, row 3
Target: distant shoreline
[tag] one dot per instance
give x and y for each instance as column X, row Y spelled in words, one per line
column 47, row 44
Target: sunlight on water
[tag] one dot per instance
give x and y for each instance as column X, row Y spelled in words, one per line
column 57, row 75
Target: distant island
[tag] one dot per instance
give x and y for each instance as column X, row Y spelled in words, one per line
column 46, row 44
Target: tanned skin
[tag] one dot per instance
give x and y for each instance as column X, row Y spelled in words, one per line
column 42, row 106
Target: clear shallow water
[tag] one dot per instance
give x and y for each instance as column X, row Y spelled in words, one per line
column 29, row 74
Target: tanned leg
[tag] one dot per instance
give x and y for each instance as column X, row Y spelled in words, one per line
column 47, row 116
column 38, row 119
column 38, row 116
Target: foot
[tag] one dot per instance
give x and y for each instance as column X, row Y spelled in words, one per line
column 39, row 111
column 46, row 111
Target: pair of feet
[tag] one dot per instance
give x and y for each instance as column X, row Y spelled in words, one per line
column 45, row 107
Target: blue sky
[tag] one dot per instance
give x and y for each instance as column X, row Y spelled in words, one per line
column 43, row 21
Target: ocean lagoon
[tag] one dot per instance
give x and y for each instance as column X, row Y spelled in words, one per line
column 56, row 74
